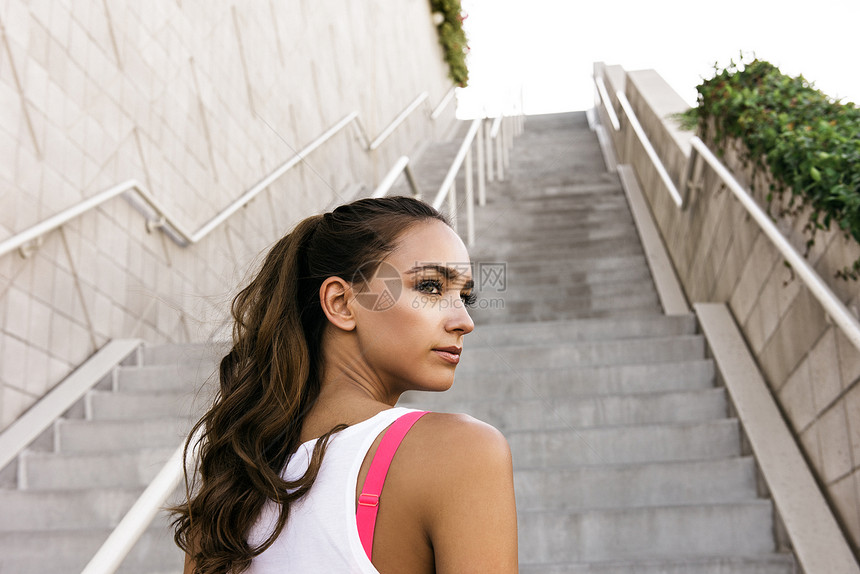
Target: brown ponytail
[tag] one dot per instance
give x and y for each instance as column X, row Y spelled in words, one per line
column 271, row 378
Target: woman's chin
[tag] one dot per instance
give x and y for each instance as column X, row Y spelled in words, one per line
column 439, row 385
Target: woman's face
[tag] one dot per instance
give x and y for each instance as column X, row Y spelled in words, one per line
column 413, row 306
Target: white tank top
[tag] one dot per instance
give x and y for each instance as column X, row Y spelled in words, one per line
column 321, row 533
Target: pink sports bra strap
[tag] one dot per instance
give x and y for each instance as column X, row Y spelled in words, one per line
column 368, row 500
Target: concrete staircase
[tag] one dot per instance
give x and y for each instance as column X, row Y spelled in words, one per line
column 81, row 477
column 625, row 459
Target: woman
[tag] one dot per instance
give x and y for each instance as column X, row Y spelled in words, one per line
column 348, row 311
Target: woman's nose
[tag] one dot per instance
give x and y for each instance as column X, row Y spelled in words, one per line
column 460, row 319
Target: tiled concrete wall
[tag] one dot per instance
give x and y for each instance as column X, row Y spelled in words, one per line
column 199, row 100
column 721, row 255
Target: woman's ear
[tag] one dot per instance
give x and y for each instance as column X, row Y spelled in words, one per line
column 336, row 298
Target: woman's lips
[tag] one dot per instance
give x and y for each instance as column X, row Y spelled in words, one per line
column 452, row 358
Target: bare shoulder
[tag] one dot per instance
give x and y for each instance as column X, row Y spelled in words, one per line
column 460, row 435
column 457, row 451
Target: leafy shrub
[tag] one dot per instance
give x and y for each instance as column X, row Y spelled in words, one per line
column 808, row 141
column 453, row 38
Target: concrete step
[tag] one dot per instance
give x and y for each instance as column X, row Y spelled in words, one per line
column 68, row 551
column 637, row 270
column 57, row 471
column 567, row 237
column 612, row 313
column 506, row 221
column 625, row 444
column 550, row 258
column 487, row 236
column 620, row 247
column 581, row 330
column 495, row 276
column 597, row 185
column 570, row 381
column 602, row 410
column 529, row 181
column 570, row 265
column 187, row 353
column 606, row 212
column 652, row 532
column 636, row 485
column 496, row 310
column 107, row 405
column 538, row 206
column 80, row 437
column 25, row 510
column 514, row 249
column 771, row 563
column 566, row 198
column 523, row 291
column 157, row 378
column 582, row 354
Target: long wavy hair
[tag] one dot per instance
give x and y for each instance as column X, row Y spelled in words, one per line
column 271, row 378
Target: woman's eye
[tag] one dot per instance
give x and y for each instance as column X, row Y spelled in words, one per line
column 430, row 285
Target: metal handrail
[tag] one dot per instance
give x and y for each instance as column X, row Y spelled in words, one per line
column 437, row 111
column 448, row 188
column 173, row 228
column 50, row 407
column 832, row 305
column 607, row 103
column 269, row 179
column 401, row 117
column 455, row 165
column 400, row 166
column 649, row 149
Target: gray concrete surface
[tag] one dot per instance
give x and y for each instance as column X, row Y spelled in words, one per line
column 625, row 458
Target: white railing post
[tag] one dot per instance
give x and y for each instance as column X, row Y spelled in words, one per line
column 507, row 142
column 491, row 177
column 500, row 155
column 452, row 205
column 413, row 183
column 482, row 184
column 470, row 200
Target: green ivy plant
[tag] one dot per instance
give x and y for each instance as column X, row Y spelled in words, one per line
column 449, row 23
column 808, row 141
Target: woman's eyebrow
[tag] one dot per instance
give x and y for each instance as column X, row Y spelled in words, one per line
column 448, row 273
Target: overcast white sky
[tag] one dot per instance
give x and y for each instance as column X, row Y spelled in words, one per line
column 545, row 48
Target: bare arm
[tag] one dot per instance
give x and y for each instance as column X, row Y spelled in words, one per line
column 471, row 511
